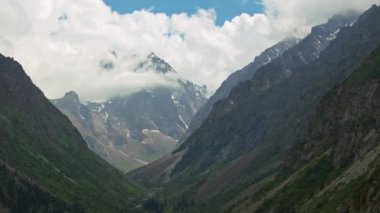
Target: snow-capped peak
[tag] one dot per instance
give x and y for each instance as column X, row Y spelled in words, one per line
column 156, row 64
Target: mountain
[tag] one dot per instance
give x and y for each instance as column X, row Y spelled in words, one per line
column 45, row 163
column 130, row 131
column 239, row 76
column 307, row 51
column 233, row 159
column 301, row 54
column 155, row 63
column 338, row 158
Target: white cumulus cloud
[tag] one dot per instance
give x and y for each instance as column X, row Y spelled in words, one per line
column 61, row 43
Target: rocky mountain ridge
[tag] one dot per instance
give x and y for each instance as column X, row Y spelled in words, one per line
column 247, row 136
column 307, row 51
column 130, row 131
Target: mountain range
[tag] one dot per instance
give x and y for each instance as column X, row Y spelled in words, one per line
column 296, row 130
column 132, row 130
column 248, row 137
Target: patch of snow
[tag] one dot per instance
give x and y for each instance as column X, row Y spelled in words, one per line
column 141, row 161
column 146, row 131
column 81, row 116
column 175, row 100
column 180, row 118
column 302, row 58
column 97, row 101
column 268, row 60
column 101, row 107
column 128, row 156
column 333, row 35
column 106, row 116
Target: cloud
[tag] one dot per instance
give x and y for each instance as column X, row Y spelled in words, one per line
column 62, row 43
column 297, row 16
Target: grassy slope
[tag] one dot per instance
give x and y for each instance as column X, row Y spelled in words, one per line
column 18, row 194
column 40, row 143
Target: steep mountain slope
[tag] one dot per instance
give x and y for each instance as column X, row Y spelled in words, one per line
column 38, row 142
column 239, row 76
column 308, row 50
column 130, row 131
column 340, row 152
column 273, row 106
column 301, row 54
column 18, row 194
column 247, row 135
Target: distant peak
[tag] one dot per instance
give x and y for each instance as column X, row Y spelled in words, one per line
column 73, row 96
column 347, row 16
column 336, row 22
column 152, row 55
column 155, row 63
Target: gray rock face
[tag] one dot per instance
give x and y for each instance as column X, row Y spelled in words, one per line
column 130, row 131
column 168, row 110
column 88, row 123
column 239, row 76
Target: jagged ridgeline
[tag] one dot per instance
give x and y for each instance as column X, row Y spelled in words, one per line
column 45, row 164
column 242, row 75
column 132, row 130
column 297, row 130
column 238, row 158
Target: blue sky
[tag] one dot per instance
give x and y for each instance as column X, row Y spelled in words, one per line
column 225, row 9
